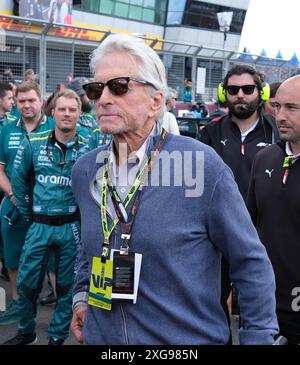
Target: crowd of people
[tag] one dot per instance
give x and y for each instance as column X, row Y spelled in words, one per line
column 139, row 250
column 46, row 203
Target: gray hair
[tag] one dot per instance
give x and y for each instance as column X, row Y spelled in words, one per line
column 150, row 68
column 170, row 93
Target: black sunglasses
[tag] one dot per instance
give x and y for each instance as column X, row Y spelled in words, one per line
column 234, row 89
column 118, row 87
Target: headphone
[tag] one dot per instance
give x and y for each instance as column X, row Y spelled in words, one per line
column 264, row 87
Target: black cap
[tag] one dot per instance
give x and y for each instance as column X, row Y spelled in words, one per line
column 76, row 85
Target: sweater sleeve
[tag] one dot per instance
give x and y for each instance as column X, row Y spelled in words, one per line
column 232, row 231
column 82, row 278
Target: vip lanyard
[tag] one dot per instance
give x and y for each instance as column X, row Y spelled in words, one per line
column 125, row 220
column 120, row 208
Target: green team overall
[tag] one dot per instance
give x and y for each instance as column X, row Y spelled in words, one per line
column 42, row 188
column 4, row 119
column 97, row 138
column 85, row 125
column 6, row 105
column 88, row 128
column 14, row 226
column 87, row 121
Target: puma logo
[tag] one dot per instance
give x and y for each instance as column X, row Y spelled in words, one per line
column 269, row 172
column 263, row 144
column 224, row 142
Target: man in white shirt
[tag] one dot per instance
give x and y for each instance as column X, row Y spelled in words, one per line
column 169, row 121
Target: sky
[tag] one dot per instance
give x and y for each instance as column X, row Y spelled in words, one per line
column 273, row 25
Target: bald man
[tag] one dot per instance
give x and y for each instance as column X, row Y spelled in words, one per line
column 274, row 204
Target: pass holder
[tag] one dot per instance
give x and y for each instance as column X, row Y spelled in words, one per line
column 124, row 249
column 101, row 284
column 126, row 275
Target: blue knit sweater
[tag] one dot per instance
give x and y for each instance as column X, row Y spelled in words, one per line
column 180, row 239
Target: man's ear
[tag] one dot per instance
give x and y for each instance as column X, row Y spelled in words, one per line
column 157, row 103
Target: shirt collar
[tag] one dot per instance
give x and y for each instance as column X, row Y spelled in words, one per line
column 135, row 157
column 289, row 152
column 245, row 133
column 96, row 185
column 41, row 121
column 69, row 144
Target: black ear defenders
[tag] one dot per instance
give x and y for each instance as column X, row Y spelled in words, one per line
column 264, row 92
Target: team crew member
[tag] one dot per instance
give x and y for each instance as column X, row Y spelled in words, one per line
column 179, row 236
column 48, row 159
column 14, row 226
column 87, row 125
column 269, row 105
column 6, row 105
column 238, row 136
column 86, row 120
column 274, row 205
column 14, row 112
column 87, row 128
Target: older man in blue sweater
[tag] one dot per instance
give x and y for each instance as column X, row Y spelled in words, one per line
column 157, row 211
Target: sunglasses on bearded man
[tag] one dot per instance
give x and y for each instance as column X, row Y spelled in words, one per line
column 234, row 89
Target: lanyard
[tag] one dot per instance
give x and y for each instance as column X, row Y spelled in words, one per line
column 287, row 163
column 125, row 220
column 120, row 208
